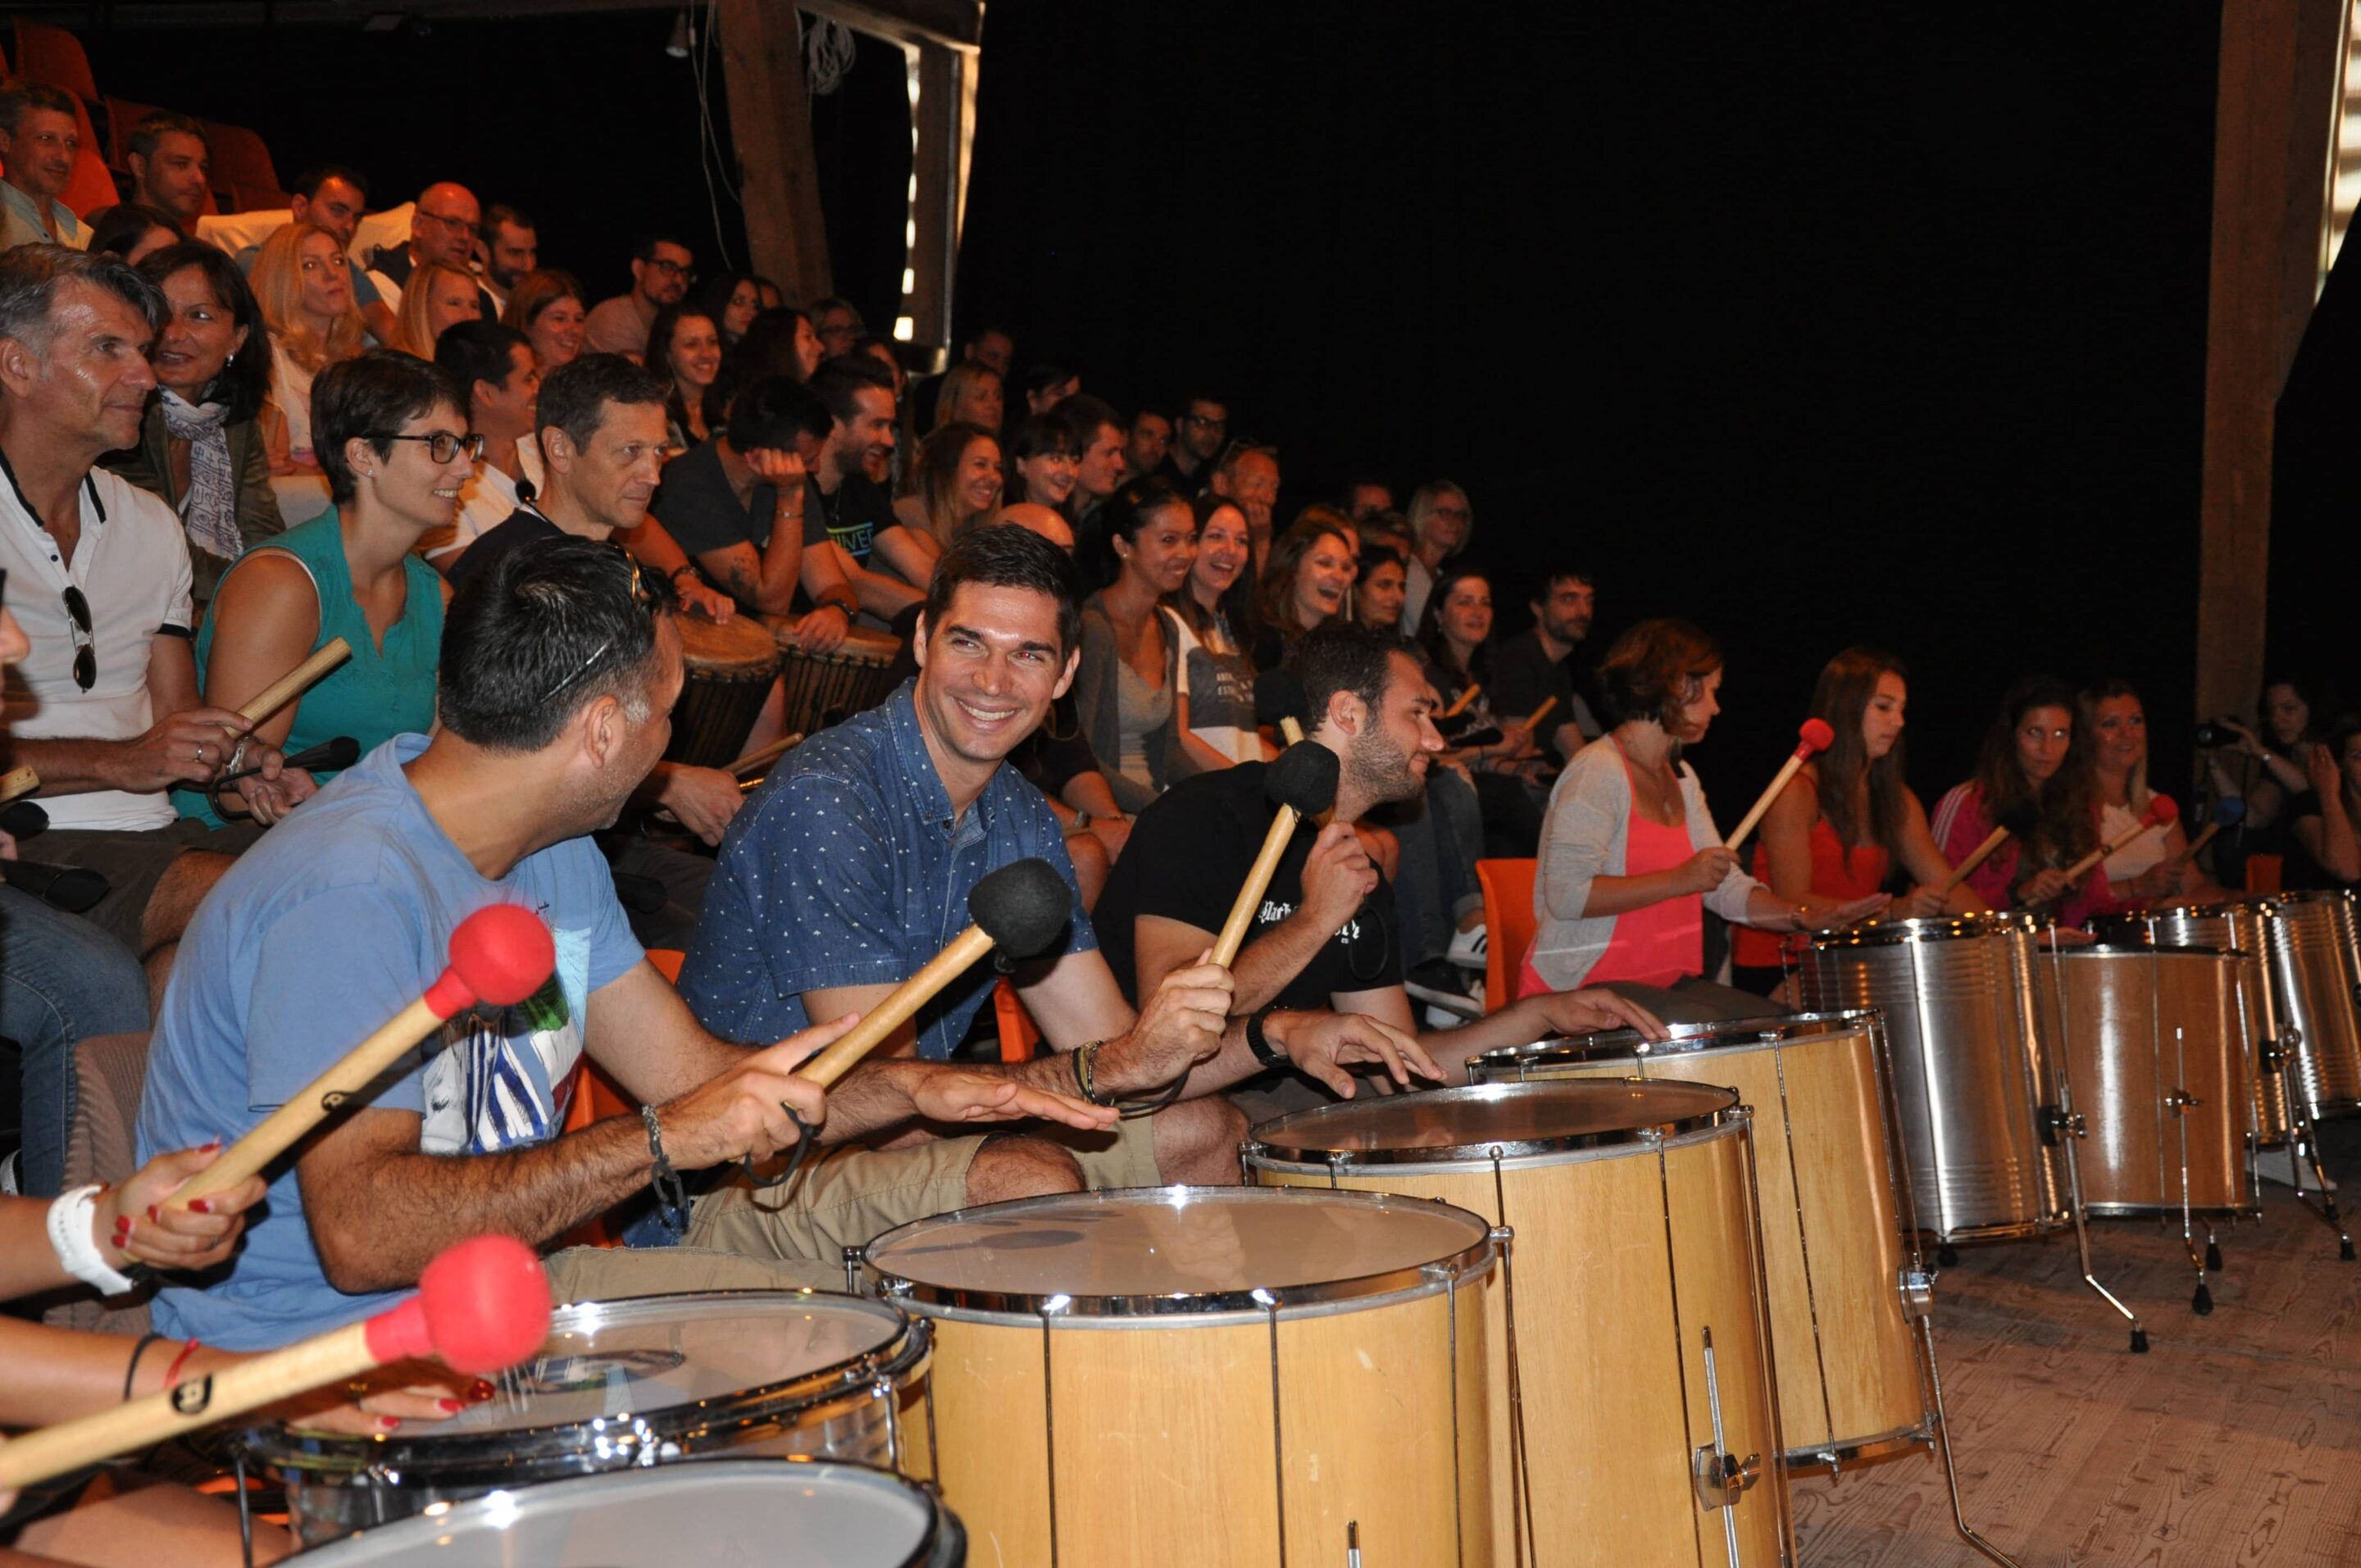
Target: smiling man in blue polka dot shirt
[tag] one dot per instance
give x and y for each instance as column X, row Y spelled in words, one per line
column 851, row 868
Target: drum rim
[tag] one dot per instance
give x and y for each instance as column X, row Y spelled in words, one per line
column 2102, row 949
column 1687, row 1039
column 1928, row 929
column 940, row 1523
column 294, row 1449
column 967, row 1302
column 1488, row 1150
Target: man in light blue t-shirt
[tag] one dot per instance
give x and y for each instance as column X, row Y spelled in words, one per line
column 559, row 671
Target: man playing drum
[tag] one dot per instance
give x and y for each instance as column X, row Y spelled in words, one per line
column 560, row 666
column 1324, row 935
column 851, row 867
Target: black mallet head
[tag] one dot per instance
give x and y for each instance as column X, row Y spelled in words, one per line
column 1022, row 906
column 1305, row 777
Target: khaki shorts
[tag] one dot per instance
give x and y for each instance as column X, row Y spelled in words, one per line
column 850, row 1196
column 610, row 1274
column 133, row 863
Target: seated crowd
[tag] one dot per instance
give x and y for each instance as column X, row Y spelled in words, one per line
column 524, row 512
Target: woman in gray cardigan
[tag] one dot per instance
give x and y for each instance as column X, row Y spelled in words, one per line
column 1127, row 686
column 1630, row 856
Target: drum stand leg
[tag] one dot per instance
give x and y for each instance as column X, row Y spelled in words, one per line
column 1943, row 1441
column 2303, row 1144
column 2083, row 1245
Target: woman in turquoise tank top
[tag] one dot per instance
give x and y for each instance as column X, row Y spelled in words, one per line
column 391, row 438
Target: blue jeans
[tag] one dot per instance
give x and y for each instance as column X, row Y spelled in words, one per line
column 63, row 980
column 1441, row 835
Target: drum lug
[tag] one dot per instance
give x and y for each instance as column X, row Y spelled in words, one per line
column 1917, row 1286
column 1723, row 1478
column 2179, row 1101
column 2055, row 1123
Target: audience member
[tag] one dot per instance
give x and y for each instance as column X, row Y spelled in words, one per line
column 1216, row 713
column 494, row 367
column 2034, row 775
column 202, row 448
column 394, row 444
column 1197, row 438
column 1365, row 498
column 838, row 324
column 444, row 226
column 2270, row 771
column 1496, row 747
column 437, row 296
column 39, row 138
column 1302, row 584
column 511, row 253
column 1145, row 444
column 2328, row 819
column 333, row 198
column 858, row 395
column 989, row 347
column 661, row 274
column 1127, row 686
column 741, row 509
column 684, row 351
column 1044, row 460
column 1390, row 530
column 1098, row 453
column 304, row 284
column 171, row 167
column 1529, row 669
column 971, row 395
column 1442, row 521
column 733, row 301
column 105, row 709
column 1249, row 475
column 1630, row 856
column 1044, row 387
column 547, row 307
column 954, row 485
column 1377, row 591
column 2148, row 866
column 133, row 230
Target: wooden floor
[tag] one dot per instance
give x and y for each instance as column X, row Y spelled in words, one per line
column 2236, row 1440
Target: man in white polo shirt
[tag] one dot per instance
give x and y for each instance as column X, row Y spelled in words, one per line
column 105, row 707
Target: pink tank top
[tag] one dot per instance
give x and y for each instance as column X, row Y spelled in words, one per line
column 1660, row 944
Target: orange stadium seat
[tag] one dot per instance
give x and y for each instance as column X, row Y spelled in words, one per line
column 1509, row 927
column 240, row 159
column 44, row 53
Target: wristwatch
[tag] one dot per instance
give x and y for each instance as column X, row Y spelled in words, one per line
column 1260, row 1043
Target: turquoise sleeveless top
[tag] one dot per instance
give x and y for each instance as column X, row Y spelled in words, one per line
column 374, row 695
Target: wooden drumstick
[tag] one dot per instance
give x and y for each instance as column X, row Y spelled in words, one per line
column 1976, row 857
column 1814, row 735
column 295, row 682
column 2160, row 813
column 482, row 1306
column 1020, row 909
column 501, row 954
column 2228, row 813
column 764, row 756
column 1302, row 782
column 16, row 782
column 1537, row 715
column 1459, row 705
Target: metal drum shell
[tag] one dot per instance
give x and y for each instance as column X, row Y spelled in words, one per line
column 1971, row 1076
column 1140, row 1428
column 2236, row 930
column 847, row 1411
column 1851, row 1386
column 2309, row 942
column 1611, row 1371
column 2138, row 1027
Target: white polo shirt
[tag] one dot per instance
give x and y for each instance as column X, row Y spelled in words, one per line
column 132, row 564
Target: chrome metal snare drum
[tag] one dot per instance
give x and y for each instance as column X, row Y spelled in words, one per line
column 1977, row 1109
column 1634, row 1416
column 625, row 1385
column 779, row 1513
column 1206, row 1375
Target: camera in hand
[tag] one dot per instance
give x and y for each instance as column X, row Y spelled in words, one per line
column 2213, row 733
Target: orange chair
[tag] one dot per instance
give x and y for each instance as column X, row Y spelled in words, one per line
column 123, row 117
column 596, row 1098
column 1509, row 927
column 2263, row 873
column 44, row 53
column 91, row 186
column 1019, row 1036
column 241, row 159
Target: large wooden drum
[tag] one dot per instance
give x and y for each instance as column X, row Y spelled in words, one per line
column 1627, row 1324
column 825, row 689
column 1217, row 1378
column 728, row 668
column 1843, row 1299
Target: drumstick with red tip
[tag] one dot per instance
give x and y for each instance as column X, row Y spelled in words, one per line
column 482, row 1306
column 1302, row 783
column 1812, row 735
column 2160, row 813
column 501, row 954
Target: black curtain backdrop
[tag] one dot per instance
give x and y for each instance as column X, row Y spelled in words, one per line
column 1817, row 325
column 2308, row 634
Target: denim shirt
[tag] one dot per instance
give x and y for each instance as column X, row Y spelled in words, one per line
column 847, row 868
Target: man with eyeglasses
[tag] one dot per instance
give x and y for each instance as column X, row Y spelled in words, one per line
column 661, row 270
column 106, row 708
column 444, row 223
column 1325, row 936
column 1197, row 437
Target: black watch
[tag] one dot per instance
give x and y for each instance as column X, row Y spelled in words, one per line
column 1259, row 1043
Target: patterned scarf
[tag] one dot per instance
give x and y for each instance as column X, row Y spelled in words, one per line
column 210, row 511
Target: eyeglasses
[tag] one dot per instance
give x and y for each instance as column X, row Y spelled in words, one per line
column 460, row 226
column 85, row 666
column 642, row 595
column 443, row 445
column 666, row 263
column 1201, row 420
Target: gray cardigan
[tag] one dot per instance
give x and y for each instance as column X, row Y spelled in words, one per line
column 1096, row 702
column 1584, row 836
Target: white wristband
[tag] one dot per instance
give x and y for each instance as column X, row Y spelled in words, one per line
column 70, row 1220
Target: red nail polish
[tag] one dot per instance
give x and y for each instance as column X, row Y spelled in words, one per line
column 450, row 1406
column 389, row 1422
column 202, row 1205
column 122, row 1227
column 480, row 1390
column 209, row 1147
column 151, row 1211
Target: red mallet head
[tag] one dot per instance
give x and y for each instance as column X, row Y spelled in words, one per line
column 2160, row 812
column 501, row 954
column 1814, row 735
column 482, row 1306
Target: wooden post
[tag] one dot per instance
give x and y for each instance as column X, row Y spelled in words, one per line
column 770, row 122
column 2275, row 126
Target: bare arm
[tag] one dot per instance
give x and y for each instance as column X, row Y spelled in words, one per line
column 266, row 621
column 164, row 756
column 881, row 596
column 910, row 550
column 1787, row 838
column 1927, row 866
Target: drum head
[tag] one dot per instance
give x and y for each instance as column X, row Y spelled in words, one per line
column 739, row 645
column 1177, row 1249
column 1686, row 1039
column 1934, row 929
column 1515, row 1119
column 782, row 1513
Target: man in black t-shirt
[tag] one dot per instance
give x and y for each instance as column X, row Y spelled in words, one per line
column 1323, row 935
column 858, row 395
column 1529, row 670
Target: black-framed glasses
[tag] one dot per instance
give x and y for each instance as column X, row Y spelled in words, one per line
column 443, row 445
column 666, row 265
column 642, row 595
column 85, row 665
